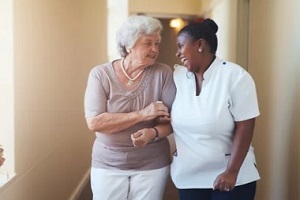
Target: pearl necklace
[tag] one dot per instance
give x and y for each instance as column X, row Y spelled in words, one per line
column 130, row 80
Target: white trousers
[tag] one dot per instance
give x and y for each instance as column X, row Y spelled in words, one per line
column 110, row 184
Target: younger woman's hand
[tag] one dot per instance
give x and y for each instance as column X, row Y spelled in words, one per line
column 225, row 181
column 162, row 119
column 154, row 110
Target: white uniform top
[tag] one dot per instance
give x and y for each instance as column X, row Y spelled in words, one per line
column 203, row 125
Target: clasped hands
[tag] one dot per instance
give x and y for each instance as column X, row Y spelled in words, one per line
column 143, row 137
column 155, row 111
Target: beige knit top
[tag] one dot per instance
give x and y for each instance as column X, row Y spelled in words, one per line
column 105, row 93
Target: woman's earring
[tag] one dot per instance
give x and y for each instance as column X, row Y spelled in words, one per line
column 128, row 50
column 199, row 50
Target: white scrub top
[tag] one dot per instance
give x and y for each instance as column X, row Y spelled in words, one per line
column 203, row 125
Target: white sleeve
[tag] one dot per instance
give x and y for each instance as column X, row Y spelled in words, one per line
column 243, row 98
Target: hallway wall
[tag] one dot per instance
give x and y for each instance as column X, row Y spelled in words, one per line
column 274, row 62
column 179, row 7
column 56, row 44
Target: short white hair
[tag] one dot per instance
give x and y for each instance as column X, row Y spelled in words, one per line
column 133, row 28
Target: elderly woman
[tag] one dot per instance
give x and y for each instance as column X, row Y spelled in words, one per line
column 127, row 105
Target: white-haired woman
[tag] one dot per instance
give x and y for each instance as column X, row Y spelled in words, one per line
column 127, row 105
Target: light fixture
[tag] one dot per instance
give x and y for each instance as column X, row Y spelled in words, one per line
column 176, row 23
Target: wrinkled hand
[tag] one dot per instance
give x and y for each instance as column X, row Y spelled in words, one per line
column 142, row 137
column 225, row 181
column 154, row 110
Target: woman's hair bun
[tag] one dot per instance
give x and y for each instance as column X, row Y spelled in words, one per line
column 211, row 24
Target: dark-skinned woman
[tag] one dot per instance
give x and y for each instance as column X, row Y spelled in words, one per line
column 213, row 117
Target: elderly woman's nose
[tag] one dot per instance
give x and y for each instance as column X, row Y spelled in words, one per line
column 154, row 48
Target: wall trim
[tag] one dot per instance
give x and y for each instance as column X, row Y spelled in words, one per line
column 80, row 187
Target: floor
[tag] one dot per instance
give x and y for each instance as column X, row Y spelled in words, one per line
column 170, row 194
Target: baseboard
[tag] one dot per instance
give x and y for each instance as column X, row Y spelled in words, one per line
column 78, row 190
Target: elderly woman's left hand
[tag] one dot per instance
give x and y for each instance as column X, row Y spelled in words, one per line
column 142, row 137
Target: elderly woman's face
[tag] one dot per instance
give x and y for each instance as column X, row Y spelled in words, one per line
column 146, row 49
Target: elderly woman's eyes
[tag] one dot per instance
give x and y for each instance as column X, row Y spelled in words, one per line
column 150, row 44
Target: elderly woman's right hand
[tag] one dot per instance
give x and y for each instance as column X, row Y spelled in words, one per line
column 154, row 110
column 142, row 137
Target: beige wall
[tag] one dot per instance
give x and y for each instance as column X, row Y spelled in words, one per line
column 172, row 7
column 232, row 18
column 274, row 63
column 227, row 28
column 56, row 44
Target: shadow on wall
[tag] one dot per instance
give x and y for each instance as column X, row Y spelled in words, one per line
column 294, row 148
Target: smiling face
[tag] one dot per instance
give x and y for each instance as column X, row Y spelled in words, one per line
column 146, row 49
column 188, row 52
